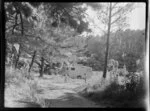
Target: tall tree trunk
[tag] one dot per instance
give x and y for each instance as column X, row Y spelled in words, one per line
column 33, row 57
column 107, row 44
column 17, row 59
column 6, row 45
column 16, row 17
column 22, row 27
column 22, row 33
column 41, row 67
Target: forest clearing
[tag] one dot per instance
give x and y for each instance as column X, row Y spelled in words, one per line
column 53, row 57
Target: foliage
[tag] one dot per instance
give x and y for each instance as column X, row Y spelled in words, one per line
column 115, row 95
column 127, row 47
column 120, row 49
column 68, row 13
column 35, row 22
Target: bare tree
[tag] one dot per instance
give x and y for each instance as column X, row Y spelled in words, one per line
column 113, row 16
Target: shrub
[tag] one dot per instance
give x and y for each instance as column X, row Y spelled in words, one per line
column 13, row 76
column 20, row 87
column 117, row 96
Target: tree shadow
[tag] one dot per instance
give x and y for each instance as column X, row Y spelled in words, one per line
column 110, row 99
column 70, row 100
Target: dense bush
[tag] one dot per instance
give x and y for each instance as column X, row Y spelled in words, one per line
column 129, row 95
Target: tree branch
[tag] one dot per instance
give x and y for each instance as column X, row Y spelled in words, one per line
column 37, row 62
column 114, row 5
column 118, row 11
column 67, row 46
column 104, row 12
column 22, row 27
column 116, row 20
column 12, row 26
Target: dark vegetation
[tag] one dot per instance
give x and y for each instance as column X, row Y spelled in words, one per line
column 116, row 96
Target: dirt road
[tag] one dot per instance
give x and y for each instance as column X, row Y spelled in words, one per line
column 63, row 94
column 55, row 94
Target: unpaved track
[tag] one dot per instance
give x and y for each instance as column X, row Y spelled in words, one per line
column 56, row 94
column 63, row 95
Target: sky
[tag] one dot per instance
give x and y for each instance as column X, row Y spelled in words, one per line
column 136, row 18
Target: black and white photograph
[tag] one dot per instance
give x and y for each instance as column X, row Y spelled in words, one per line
column 75, row 55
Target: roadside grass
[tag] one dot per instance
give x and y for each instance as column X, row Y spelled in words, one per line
column 21, row 86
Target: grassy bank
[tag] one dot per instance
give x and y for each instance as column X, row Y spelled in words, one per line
column 21, row 88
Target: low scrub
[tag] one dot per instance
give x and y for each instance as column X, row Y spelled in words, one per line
column 21, row 86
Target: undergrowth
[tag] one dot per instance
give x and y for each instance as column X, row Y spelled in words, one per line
column 115, row 95
column 22, row 86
